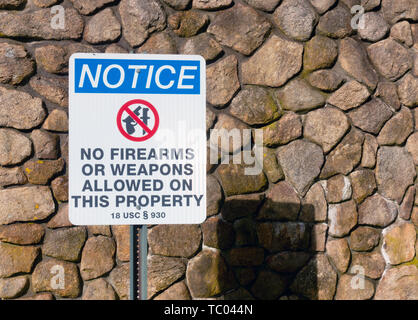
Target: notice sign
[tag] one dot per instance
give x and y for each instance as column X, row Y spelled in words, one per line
column 137, row 146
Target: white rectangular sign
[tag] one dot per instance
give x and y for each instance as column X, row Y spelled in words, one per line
column 137, row 144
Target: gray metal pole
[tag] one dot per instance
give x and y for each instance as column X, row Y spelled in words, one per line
column 143, row 267
column 132, row 263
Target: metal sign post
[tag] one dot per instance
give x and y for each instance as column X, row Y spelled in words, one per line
column 138, row 263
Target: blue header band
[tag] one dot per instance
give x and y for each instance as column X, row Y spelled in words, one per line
column 136, row 76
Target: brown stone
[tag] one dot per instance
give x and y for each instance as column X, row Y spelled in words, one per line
column 49, row 273
column 20, row 25
column 162, row 272
column 268, row 285
column 320, row 52
column 339, row 253
column 39, row 296
column 89, row 6
column 56, row 121
column 395, row 172
column 377, row 211
column 412, row 147
column 206, row 274
column 61, row 219
column 279, row 236
column 100, row 230
column 14, row 147
column 398, row 284
column 46, row 144
column 240, row 28
column 241, row 206
column 326, row 80
column 44, row 3
column 337, row 189
column 274, row 63
column 222, row 81
column 317, row 280
column 97, row 257
column 345, row 157
column 390, row 58
column 325, row 126
column 246, row 257
column 234, row 181
column 16, row 259
column 255, row 105
column 371, row 117
column 16, row 65
column 120, row 280
column 363, row 183
column 314, row 205
column 399, row 243
column 225, row 128
column 375, row 27
column 177, row 291
column 284, row 130
column 22, row 233
column 245, row 232
column 98, row 289
column 60, row 188
column 353, row 60
column 122, row 237
column 282, row 202
column 318, row 237
column 20, row 110
column 408, row 90
column 364, row 238
column 402, row 32
column 115, row 48
column 65, row 243
column 218, row 233
column 11, row 176
column 372, row 262
column 399, row 10
column 387, row 91
column 342, row 217
column 41, row 171
column 301, row 162
column 203, row 45
column 271, row 166
column 140, row 19
column 102, row 27
column 159, row 43
column 213, row 196
column 287, row 261
column 53, row 89
column 349, row 96
column 322, row 6
column 347, row 291
column 405, row 209
column 370, row 145
column 187, row 23
column 397, row 129
column 11, row 4
column 211, row 4
column 13, row 287
column 175, row 240
column 25, row 204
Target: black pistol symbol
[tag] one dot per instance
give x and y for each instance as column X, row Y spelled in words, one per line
column 130, row 123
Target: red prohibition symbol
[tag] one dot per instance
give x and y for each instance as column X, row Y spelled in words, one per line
column 133, row 122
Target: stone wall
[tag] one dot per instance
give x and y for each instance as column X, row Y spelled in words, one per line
column 338, row 110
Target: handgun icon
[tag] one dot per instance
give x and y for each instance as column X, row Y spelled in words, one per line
column 130, row 123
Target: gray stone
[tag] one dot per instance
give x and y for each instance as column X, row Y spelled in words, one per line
column 326, row 80
column 297, row 19
column 387, row 91
column 89, row 6
column 102, row 27
column 395, row 172
column 265, row 5
column 65, row 243
column 375, row 27
column 16, row 65
column 282, row 131
column 322, row 6
column 314, row 205
column 336, row 23
column 301, row 162
column 178, row 4
column 297, row 95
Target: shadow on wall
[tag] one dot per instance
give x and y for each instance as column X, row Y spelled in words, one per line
column 254, row 249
